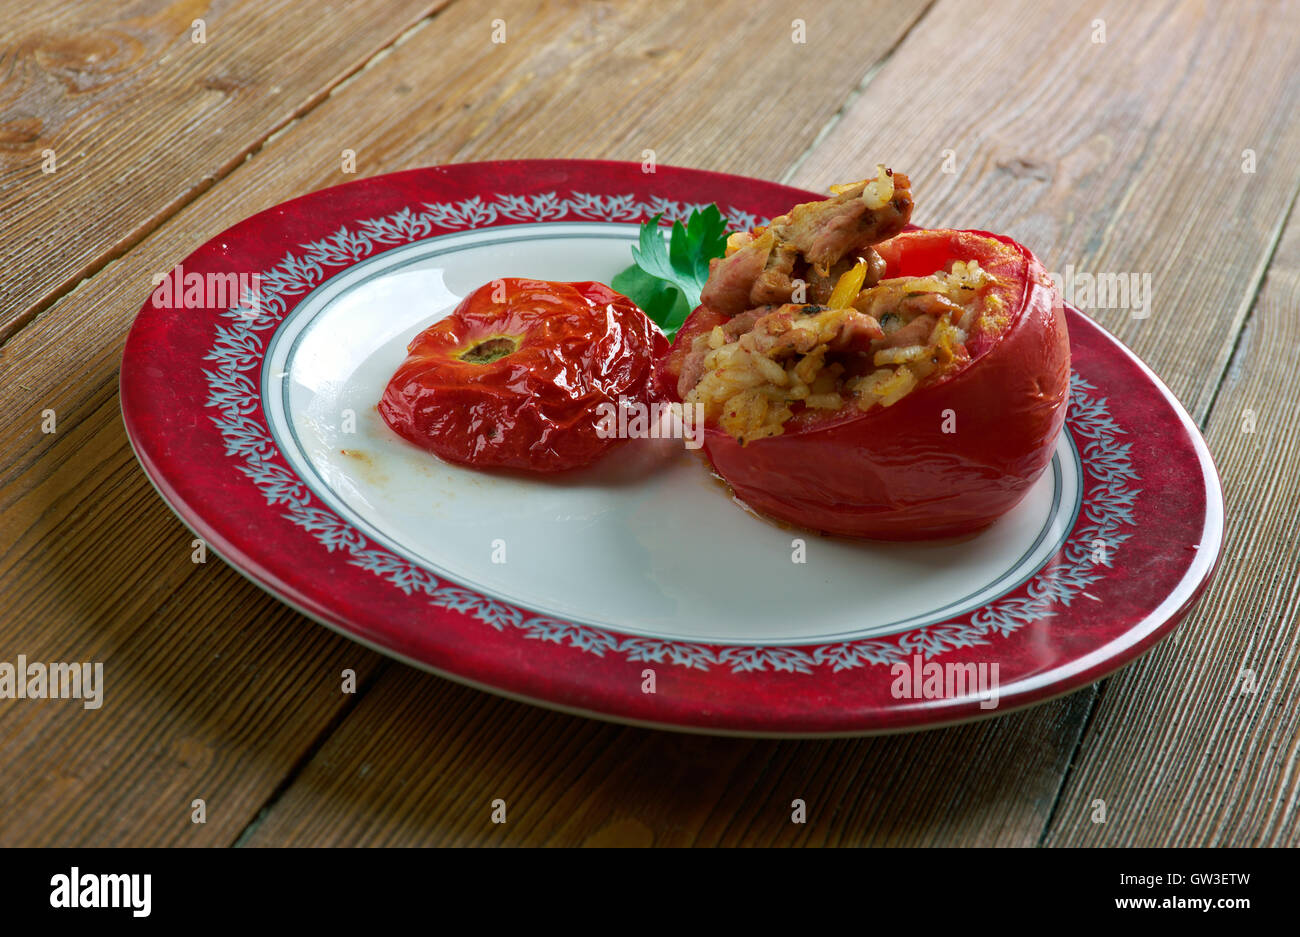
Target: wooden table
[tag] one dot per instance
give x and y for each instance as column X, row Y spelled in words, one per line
column 1170, row 149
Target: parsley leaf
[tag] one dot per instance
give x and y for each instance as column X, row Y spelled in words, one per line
column 657, row 298
column 666, row 279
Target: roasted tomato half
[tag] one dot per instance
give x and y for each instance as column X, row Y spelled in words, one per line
column 922, row 401
column 516, row 376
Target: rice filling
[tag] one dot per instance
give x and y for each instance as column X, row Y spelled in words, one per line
column 873, row 344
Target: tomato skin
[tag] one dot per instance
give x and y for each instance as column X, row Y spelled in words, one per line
column 536, row 408
column 891, row 473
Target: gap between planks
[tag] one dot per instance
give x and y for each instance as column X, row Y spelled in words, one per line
column 1251, row 303
column 854, row 94
column 310, row 752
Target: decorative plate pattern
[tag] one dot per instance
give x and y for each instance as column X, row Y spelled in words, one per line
column 237, row 348
column 228, row 360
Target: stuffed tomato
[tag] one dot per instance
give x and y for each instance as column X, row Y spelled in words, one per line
column 518, row 374
column 921, row 397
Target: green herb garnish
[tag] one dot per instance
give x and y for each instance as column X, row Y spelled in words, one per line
column 666, row 279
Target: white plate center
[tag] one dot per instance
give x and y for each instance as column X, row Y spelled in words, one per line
column 644, row 542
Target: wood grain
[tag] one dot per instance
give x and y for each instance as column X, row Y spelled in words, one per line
column 568, row 781
column 91, row 559
column 141, row 118
column 207, row 687
column 1186, row 747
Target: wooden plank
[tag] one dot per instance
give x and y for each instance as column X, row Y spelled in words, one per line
column 141, row 118
column 1186, row 747
column 208, row 682
column 568, row 781
column 75, row 509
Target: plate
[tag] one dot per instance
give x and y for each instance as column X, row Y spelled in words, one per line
column 635, row 590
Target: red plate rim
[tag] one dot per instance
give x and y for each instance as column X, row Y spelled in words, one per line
column 174, row 420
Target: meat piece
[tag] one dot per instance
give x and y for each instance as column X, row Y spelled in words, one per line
column 800, row 329
column 781, row 332
column 821, row 287
column 731, row 278
column 857, row 332
column 916, row 332
column 774, row 284
column 808, row 243
column 739, row 325
column 861, row 214
column 902, row 297
column 693, row 366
